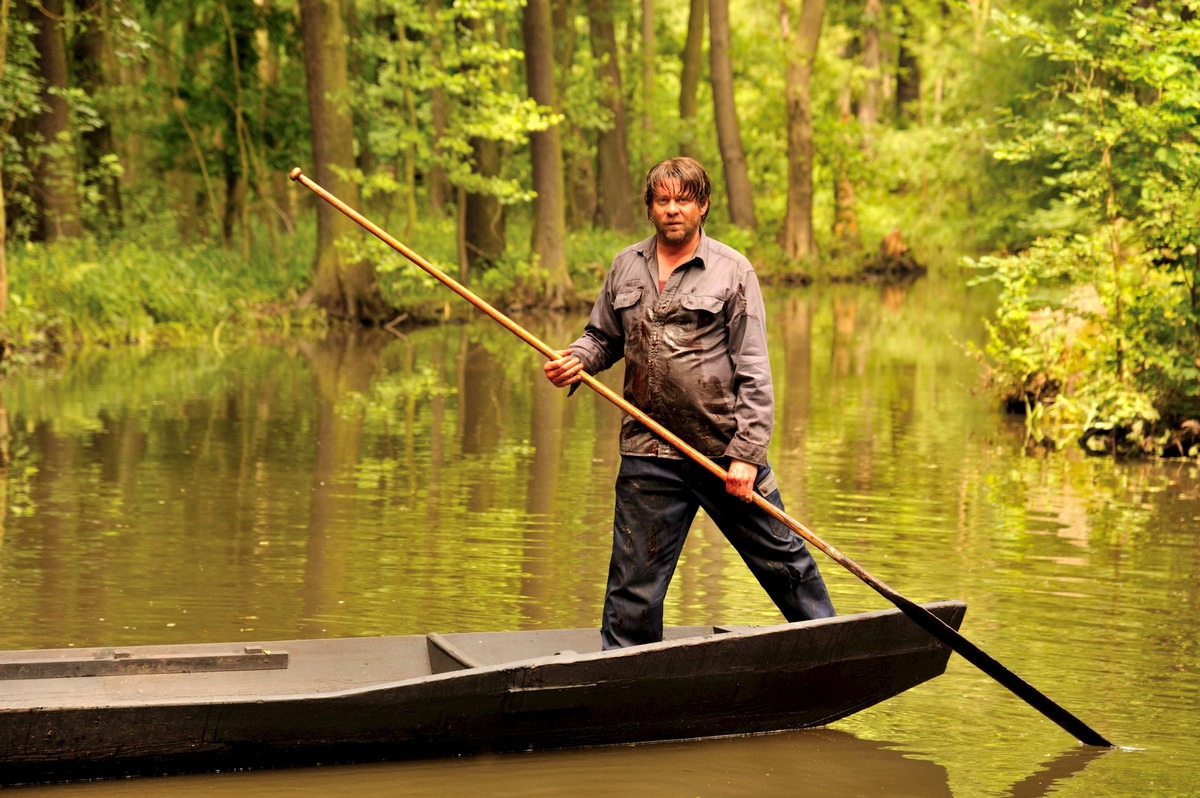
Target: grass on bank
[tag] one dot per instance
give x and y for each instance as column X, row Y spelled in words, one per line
column 146, row 289
column 149, row 285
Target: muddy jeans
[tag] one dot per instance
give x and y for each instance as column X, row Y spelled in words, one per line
column 657, row 499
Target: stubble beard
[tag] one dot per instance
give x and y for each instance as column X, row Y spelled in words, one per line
column 676, row 233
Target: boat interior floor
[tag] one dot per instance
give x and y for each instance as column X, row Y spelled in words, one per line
column 228, row 671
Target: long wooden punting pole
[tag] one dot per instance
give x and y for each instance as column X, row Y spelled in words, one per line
column 921, row 616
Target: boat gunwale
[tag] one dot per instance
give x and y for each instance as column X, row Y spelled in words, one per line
column 720, row 635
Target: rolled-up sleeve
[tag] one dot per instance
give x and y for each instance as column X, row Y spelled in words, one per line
column 753, row 395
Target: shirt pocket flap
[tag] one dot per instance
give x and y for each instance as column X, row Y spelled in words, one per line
column 709, row 304
column 627, row 298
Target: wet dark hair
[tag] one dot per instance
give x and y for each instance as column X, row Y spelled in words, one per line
column 688, row 173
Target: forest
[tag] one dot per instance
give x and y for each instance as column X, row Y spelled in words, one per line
column 1047, row 148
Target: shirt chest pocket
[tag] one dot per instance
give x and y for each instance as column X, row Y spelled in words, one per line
column 627, row 298
column 701, row 311
column 626, row 304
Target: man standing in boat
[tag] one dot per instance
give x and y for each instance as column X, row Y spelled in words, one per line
column 686, row 313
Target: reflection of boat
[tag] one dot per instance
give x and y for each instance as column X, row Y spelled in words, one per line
column 80, row 713
column 826, row 763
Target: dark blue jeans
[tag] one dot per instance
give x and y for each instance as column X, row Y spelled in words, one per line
column 657, row 499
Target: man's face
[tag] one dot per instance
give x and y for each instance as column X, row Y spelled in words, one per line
column 676, row 219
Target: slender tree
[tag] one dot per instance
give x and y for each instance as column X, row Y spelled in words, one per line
column 4, row 124
column 54, row 179
column 649, row 83
column 484, row 220
column 612, row 150
column 274, row 193
column 483, row 225
column 689, row 79
column 908, row 74
column 578, row 163
column 238, row 26
column 800, row 46
column 439, row 185
column 845, row 217
column 345, row 287
column 549, row 213
column 411, row 124
column 869, row 102
column 729, row 134
column 92, row 54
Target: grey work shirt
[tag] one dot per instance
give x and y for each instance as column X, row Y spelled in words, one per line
column 695, row 353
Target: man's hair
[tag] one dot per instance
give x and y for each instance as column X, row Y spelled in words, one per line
column 688, row 173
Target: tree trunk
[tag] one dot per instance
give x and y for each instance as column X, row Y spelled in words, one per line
column 612, row 151
column 54, row 180
column 275, row 193
column 364, row 158
column 845, row 223
column 439, row 185
column 562, row 21
column 797, row 238
column 3, row 244
column 129, row 140
column 91, row 54
column 908, row 78
column 239, row 174
column 549, row 218
column 344, row 288
column 484, row 219
column 689, row 80
column 845, row 218
column 649, row 84
column 869, row 103
column 729, row 135
column 4, row 27
column 409, row 110
column 579, row 166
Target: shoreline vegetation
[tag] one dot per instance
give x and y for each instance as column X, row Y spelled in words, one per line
column 1047, row 149
column 74, row 295
column 164, row 291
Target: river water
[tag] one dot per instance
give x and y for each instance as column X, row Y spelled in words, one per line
column 432, row 481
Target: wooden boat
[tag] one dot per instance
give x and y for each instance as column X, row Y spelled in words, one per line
column 90, row 713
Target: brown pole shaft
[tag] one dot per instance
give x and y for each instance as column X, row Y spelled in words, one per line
column 920, row 615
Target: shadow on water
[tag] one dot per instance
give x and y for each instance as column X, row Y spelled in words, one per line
column 1059, row 769
column 819, row 763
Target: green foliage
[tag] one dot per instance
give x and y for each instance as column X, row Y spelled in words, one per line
column 1117, row 124
column 150, row 290
column 452, row 55
column 1116, row 346
column 1094, row 183
column 1112, row 363
column 19, row 84
column 590, row 252
column 20, row 102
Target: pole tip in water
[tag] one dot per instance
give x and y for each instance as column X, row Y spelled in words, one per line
column 295, row 173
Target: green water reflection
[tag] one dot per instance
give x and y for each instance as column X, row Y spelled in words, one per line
column 379, row 484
